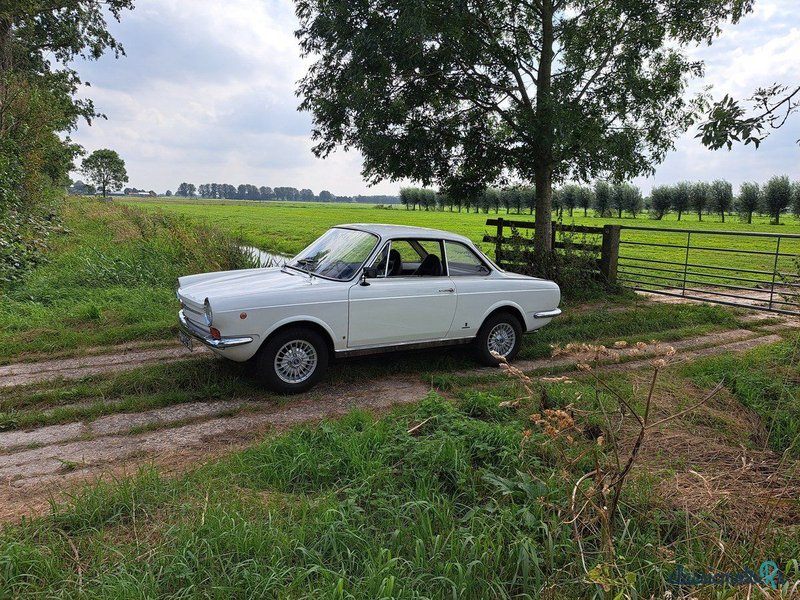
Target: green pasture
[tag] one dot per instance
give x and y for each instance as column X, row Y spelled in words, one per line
column 286, row 227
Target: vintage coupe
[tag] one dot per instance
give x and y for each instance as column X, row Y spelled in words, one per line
column 362, row 289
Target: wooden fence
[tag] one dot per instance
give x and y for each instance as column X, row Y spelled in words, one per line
column 514, row 247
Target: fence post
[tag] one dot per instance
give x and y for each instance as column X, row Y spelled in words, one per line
column 553, row 225
column 498, row 243
column 609, row 253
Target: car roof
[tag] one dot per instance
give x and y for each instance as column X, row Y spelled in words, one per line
column 403, row 231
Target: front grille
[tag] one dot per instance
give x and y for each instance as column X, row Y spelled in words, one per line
column 195, row 316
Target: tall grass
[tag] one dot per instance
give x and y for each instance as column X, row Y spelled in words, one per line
column 109, row 278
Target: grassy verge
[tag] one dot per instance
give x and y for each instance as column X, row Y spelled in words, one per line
column 109, row 278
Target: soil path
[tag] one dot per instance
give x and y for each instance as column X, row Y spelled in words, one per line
column 114, row 359
column 39, row 463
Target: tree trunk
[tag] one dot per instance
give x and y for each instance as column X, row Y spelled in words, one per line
column 543, row 146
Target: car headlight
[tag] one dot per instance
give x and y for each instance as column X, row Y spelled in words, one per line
column 209, row 314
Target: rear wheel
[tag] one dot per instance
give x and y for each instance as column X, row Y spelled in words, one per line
column 293, row 360
column 501, row 333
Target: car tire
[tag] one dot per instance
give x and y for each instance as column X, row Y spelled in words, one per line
column 292, row 361
column 501, row 332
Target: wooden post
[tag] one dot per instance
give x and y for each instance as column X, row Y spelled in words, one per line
column 498, row 244
column 609, row 253
column 553, row 235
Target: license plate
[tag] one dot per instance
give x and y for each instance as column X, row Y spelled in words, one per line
column 185, row 340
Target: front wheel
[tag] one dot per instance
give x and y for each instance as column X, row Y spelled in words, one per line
column 501, row 333
column 293, row 360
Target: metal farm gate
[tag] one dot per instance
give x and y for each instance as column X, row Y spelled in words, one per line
column 753, row 270
column 747, row 269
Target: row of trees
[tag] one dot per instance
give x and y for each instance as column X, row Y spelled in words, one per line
column 606, row 199
column 772, row 199
column 245, row 191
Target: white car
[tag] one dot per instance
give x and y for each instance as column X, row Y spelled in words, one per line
column 362, row 289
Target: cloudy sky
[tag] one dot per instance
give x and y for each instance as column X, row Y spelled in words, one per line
column 206, row 93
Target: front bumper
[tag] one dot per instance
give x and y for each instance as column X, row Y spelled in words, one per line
column 225, row 342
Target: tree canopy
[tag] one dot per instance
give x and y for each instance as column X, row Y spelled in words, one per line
column 469, row 94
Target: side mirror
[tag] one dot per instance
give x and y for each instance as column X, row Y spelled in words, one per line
column 368, row 273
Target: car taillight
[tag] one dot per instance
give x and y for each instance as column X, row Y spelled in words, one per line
column 215, row 333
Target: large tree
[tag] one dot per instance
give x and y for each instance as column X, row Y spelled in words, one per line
column 469, row 93
column 39, row 40
column 106, row 170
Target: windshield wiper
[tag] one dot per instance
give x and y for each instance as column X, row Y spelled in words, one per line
column 308, row 263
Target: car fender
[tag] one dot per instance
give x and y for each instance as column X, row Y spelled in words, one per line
column 299, row 319
column 505, row 304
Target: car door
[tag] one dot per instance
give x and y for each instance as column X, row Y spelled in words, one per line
column 404, row 308
column 475, row 290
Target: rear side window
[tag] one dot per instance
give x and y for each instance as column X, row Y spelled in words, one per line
column 463, row 262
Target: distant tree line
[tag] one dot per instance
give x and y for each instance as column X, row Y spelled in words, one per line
column 606, row 199
column 244, row 191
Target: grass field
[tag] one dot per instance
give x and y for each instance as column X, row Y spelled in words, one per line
column 285, row 227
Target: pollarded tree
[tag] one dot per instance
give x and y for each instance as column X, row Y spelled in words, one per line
column 602, row 198
column 465, row 93
column 106, row 170
column 407, row 198
column 618, row 199
column 721, row 195
column 698, row 198
column 585, row 199
column 633, row 200
column 569, row 197
column 749, row 201
column 681, row 198
column 777, row 197
column 661, row 201
column 491, row 200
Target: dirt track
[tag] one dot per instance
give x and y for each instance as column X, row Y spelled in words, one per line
column 37, row 463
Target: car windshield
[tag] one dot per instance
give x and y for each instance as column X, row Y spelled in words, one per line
column 338, row 254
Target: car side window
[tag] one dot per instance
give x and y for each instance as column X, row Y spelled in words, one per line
column 463, row 262
column 416, row 258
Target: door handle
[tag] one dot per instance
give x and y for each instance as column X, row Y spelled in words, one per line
column 447, row 291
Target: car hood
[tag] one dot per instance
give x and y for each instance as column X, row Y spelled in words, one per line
column 244, row 282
